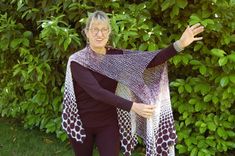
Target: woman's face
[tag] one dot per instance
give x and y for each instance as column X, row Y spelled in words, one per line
column 98, row 33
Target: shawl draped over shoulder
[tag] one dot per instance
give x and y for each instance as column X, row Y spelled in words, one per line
column 136, row 83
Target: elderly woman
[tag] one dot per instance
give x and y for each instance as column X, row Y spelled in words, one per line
column 90, row 103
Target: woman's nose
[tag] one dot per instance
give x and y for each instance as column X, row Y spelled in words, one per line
column 99, row 33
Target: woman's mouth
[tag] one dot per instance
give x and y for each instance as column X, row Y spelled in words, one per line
column 99, row 39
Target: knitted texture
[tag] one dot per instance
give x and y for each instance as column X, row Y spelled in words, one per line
column 135, row 83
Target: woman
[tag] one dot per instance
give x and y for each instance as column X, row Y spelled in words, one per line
column 93, row 89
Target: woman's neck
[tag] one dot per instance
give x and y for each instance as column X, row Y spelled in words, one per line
column 101, row 50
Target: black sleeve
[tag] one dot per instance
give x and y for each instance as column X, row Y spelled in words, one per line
column 87, row 81
column 163, row 56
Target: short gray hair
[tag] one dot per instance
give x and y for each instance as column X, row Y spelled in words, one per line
column 97, row 15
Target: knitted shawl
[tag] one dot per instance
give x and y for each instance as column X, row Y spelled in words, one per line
column 136, row 83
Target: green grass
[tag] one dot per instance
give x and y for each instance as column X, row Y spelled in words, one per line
column 17, row 141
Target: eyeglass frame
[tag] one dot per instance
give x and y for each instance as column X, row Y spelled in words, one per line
column 98, row 30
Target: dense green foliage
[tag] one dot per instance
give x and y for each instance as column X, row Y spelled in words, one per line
column 37, row 37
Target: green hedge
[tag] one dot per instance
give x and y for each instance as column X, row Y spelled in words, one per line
column 37, row 37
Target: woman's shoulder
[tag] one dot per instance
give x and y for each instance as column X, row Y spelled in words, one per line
column 76, row 53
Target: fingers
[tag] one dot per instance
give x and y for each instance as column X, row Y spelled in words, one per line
column 143, row 110
column 198, row 38
column 198, row 30
column 195, row 26
column 148, row 111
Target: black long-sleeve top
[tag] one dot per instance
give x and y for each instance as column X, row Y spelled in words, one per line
column 95, row 92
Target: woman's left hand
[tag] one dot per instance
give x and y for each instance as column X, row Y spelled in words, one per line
column 189, row 34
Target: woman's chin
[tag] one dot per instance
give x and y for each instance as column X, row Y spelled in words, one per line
column 99, row 45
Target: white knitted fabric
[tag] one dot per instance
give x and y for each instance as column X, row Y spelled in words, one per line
column 136, row 83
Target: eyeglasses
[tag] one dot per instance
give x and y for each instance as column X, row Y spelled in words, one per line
column 95, row 31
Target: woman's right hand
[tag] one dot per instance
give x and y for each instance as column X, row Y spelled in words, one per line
column 143, row 110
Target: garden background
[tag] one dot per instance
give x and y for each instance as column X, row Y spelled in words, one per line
column 37, row 37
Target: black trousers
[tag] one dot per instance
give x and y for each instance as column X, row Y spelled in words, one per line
column 106, row 138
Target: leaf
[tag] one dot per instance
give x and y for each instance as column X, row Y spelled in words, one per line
column 40, row 73
column 66, row 43
column 215, row 100
column 211, row 126
column 202, row 130
column 143, row 47
column 210, row 141
column 205, row 150
column 176, row 59
column 27, row 34
column 185, row 60
column 200, row 153
column 207, row 98
column 181, row 148
column 64, row 136
column 146, row 37
column 222, row 133
column 175, row 84
column 232, row 78
column 25, row 42
column 188, row 121
column 185, row 115
column 16, row 71
column 198, row 123
column 202, row 69
column 194, row 151
column 223, row 61
column 216, row 120
column 174, row 12
column 202, row 144
column 230, row 144
column 224, row 81
column 152, row 47
column 226, row 39
column 166, row 4
column 50, row 127
column 197, row 47
column 181, row 3
column 181, row 89
column 231, row 133
column 194, row 19
column 195, row 62
column 218, row 52
column 15, row 43
column 232, row 57
column 198, row 107
column 192, row 101
column 144, row 26
column 188, row 88
column 227, row 124
column 207, row 21
column 132, row 33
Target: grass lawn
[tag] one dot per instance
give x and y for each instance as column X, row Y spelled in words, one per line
column 17, row 141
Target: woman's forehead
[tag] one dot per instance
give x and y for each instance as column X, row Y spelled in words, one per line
column 99, row 23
